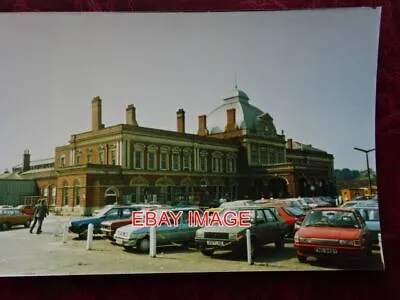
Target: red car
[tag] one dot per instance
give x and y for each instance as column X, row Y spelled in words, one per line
column 333, row 233
column 26, row 209
column 290, row 215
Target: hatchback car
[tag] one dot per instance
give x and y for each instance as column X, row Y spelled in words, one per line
column 115, row 212
column 370, row 215
column 109, row 227
column 266, row 227
column 10, row 217
column 333, row 233
column 136, row 237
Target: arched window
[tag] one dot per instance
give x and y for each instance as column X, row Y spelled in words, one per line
column 77, row 194
column 65, row 193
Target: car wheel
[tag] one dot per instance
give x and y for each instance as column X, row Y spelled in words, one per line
column 207, row 252
column 302, row 259
column 83, row 234
column 144, row 245
column 280, row 243
column 27, row 223
column 4, row 226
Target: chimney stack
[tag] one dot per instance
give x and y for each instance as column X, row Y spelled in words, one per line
column 180, row 118
column 26, row 161
column 202, row 125
column 131, row 115
column 231, row 120
column 290, row 144
column 96, row 114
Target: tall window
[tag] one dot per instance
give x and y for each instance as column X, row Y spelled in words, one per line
column 77, row 196
column 175, row 161
column 263, row 155
column 138, row 158
column 217, row 162
column 65, row 194
column 113, row 157
column 78, row 159
column 163, row 160
column 101, row 157
column 186, row 161
column 151, row 160
column 62, row 161
column 254, row 154
column 203, row 161
column 89, row 158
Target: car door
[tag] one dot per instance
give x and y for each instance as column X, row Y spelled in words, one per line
column 260, row 228
column 275, row 225
column 186, row 233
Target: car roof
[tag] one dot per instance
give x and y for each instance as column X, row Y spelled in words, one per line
column 344, row 209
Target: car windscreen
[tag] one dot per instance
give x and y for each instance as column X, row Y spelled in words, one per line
column 294, row 211
column 324, row 218
column 103, row 211
column 369, row 214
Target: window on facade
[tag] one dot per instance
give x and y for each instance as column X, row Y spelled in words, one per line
column 263, row 155
column 231, row 165
column 175, row 161
column 203, row 163
column 272, row 156
column 151, row 163
column 62, row 162
column 186, row 162
column 78, row 159
column 164, row 161
column 101, row 157
column 89, row 158
column 138, row 159
column 77, row 196
column 113, row 157
column 65, row 195
column 254, row 154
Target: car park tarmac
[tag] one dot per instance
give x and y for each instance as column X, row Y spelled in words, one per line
column 25, row 254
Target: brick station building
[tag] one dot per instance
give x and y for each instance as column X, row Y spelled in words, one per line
column 236, row 153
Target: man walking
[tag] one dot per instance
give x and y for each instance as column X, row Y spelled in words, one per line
column 41, row 211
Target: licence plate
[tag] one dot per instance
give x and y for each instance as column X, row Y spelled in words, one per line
column 326, row 250
column 215, row 243
column 119, row 241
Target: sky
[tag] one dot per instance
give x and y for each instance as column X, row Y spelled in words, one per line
column 313, row 71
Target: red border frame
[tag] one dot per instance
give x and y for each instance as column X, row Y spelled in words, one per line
column 343, row 285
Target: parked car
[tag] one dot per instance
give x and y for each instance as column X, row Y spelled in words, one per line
column 290, row 215
column 266, row 227
column 10, row 217
column 370, row 215
column 296, row 202
column 228, row 205
column 109, row 227
column 131, row 237
column 5, row 206
column 115, row 212
column 354, row 203
column 26, row 209
column 332, row 233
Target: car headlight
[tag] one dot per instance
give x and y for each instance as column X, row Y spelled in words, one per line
column 296, row 239
column 199, row 235
column 349, row 242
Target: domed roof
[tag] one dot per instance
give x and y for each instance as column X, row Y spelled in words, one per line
column 236, row 93
column 247, row 116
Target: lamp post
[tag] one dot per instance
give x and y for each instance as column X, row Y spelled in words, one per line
column 369, row 175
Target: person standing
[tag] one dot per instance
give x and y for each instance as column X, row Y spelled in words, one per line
column 41, row 211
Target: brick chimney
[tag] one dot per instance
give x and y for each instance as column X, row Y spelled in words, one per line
column 131, row 115
column 231, row 120
column 202, row 125
column 96, row 114
column 26, row 165
column 180, row 119
column 290, row 144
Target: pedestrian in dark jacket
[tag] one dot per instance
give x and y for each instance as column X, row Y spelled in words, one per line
column 41, row 211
